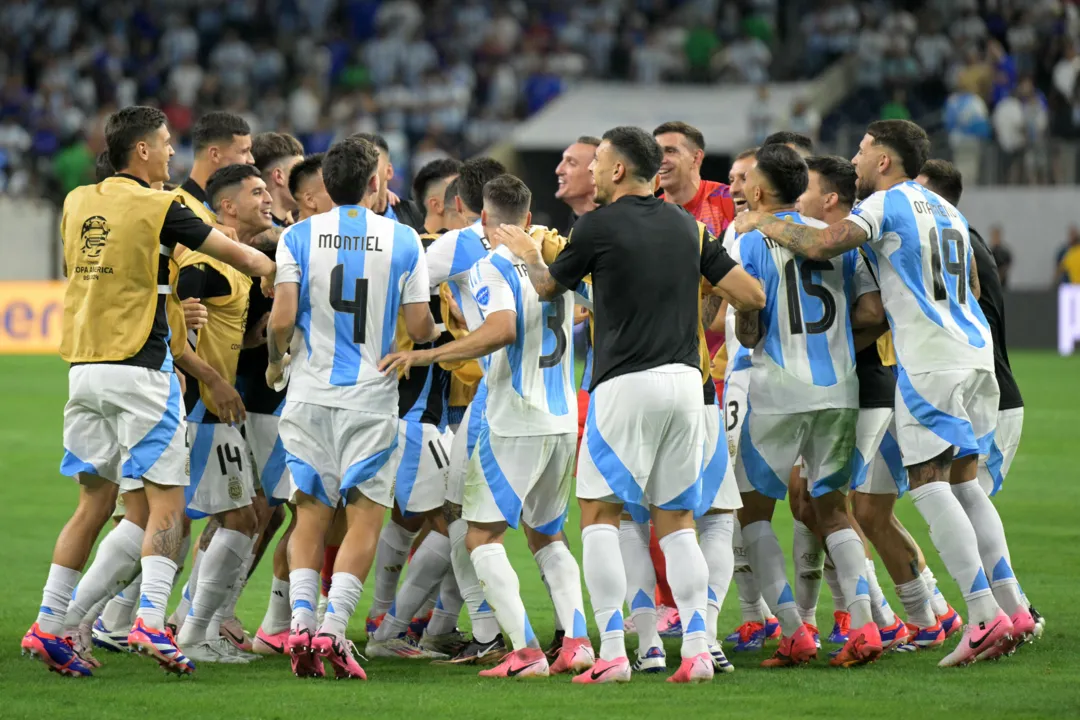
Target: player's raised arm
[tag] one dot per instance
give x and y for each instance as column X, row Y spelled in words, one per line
column 529, row 249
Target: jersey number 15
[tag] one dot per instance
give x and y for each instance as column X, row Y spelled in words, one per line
column 804, row 276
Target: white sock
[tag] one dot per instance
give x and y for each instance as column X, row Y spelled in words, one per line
column 809, row 557
column 56, row 597
column 218, row 571
column 563, row 577
column 117, row 614
column 228, row 610
column 714, row 536
column 688, row 575
column 604, row 576
column 428, row 606
column 993, row 548
column 958, row 546
column 938, row 603
column 278, row 612
column 345, row 592
column 640, row 583
column 763, row 550
column 503, row 591
column 115, row 564
column 879, row 606
column 447, row 608
column 180, row 614
column 849, row 556
column 390, row 556
column 428, row 565
column 558, row 623
column 833, row 581
column 916, row 599
column 750, row 600
column 481, row 616
column 157, row 581
column 304, row 586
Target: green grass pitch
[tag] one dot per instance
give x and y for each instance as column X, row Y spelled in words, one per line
column 1039, row 508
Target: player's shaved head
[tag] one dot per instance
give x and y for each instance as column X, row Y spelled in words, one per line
column 506, row 200
column 227, row 181
column 348, row 168
column 472, row 178
column 944, row 178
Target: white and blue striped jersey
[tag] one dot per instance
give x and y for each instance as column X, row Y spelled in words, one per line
column 920, row 247
column 738, row 357
column 531, row 381
column 451, row 257
column 806, row 359
column 355, row 270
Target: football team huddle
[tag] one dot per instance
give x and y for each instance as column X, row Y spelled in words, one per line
column 282, row 344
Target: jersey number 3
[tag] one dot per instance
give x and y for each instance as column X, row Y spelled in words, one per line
column 357, row 307
column 554, row 319
column 795, row 309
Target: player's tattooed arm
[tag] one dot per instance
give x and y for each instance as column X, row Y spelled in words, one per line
column 710, row 308
column 811, row 242
column 748, row 327
column 451, row 512
column 267, row 240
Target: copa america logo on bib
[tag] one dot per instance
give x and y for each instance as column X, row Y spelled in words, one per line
column 483, row 295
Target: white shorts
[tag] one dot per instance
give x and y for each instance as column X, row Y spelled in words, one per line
column 222, row 470
column 877, row 467
column 771, row 445
column 526, row 478
column 420, row 464
column 718, row 488
column 943, row 409
column 331, row 451
column 644, row 440
column 261, row 433
column 464, row 443
column 125, row 424
column 995, row 466
column 736, row 388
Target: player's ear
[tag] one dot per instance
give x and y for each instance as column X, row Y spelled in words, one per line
column 458, row 205
column 373, row 183
column 699, row 157
column 528, row 218
column 483, row 218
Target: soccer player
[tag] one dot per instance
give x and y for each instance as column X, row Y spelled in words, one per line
column 946, row 391
column 122, row 423
column 944, row 178
column 732, row 364
column 308, row 189
column 342, row 278
column 802, row 401
column 680, row 177
column 386, row 203
column 220, row 139
column 878, row 473
column 450, row 258
column 575, row 183
column 223, row 479
column 644, row 438
column 796, row 141
column 429, row 190
column 524, row 460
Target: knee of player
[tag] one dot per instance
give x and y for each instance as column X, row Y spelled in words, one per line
column 871, row 517
column 483, row 534
column 243, row 520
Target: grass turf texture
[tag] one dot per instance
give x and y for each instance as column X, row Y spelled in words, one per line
column 1038, row 507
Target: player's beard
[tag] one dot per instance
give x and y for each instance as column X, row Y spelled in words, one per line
column 864, row 188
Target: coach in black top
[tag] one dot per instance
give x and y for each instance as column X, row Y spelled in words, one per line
column 645, row 430
column 944, row 179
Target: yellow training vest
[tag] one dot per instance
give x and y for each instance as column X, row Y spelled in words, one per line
column 219, row 341
column 112, row 249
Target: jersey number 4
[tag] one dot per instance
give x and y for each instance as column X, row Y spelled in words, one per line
column 943, row 246
column 357, row 307
column 554, row 318
column 804, row 276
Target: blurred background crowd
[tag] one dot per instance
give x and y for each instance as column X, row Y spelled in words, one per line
column 995, row 80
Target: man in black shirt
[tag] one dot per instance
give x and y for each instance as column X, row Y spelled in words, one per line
column 644, row 437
